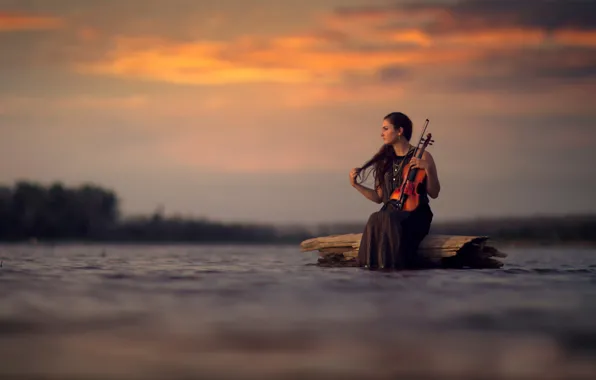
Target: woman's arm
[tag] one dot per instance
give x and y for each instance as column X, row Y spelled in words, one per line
column 433, row 186
column 375, row 196
column 370, row 194
column 427, row 163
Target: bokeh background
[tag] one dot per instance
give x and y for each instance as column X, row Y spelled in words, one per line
column 235, row 123
column 257, row 110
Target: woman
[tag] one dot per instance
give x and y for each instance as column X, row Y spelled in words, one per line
column 391, row 237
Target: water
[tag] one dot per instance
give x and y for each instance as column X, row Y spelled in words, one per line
column 244, row 312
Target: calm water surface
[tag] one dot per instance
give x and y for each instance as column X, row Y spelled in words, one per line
column 238, row 312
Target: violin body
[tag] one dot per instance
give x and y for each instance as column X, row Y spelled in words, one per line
column 407, row 195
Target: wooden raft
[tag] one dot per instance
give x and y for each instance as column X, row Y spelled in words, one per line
column 445, row 251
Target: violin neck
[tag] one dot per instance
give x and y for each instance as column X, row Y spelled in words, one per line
column 420, row 152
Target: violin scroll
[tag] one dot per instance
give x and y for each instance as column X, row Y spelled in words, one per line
column 426, row 141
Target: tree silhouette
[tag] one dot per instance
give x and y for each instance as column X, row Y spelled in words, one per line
column 29, row 210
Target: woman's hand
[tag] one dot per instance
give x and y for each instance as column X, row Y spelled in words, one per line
column 373, row 195
column 420, row 163
column 353, row 175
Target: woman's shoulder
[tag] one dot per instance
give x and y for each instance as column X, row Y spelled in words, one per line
column 427, row 156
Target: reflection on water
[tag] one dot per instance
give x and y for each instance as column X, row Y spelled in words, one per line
column 180, row 312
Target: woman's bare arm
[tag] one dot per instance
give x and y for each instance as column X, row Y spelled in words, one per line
column 433, row 186
column 370, row 194
column 375, row 196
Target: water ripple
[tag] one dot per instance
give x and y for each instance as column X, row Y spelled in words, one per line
column 196, row 309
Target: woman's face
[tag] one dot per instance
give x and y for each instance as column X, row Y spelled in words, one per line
column 389, row 134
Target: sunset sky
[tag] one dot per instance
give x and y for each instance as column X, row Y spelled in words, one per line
column 257, row 110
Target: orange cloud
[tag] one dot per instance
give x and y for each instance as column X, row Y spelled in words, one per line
column 187, row 63
column 414, row 36
column 15, row 22
column 581, row 38
column 321, row 65
column 287, row 60
column 507, row 38
column 513, row 37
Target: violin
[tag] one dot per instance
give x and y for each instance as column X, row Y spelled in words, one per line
column 406, row 197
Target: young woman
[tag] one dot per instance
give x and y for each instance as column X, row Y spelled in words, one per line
column 391, row 237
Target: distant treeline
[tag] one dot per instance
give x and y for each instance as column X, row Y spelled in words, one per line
column 31, row 211
column 530, row 229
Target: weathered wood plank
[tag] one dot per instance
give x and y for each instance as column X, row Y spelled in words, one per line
column 347, row 240
column 456, row 250
column 431, row 246
column 328, row 250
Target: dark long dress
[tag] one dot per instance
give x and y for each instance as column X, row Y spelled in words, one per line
column 391, row 237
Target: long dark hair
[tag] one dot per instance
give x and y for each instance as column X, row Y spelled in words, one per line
column 382, row 161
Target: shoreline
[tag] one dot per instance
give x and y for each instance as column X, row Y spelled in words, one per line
column 497, row 242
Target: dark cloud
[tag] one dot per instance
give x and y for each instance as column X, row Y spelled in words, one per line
column 580, row 72
column 545, row 14
column 502, row 67
column 393, row 73
column 529, row 71
column 470, row 15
